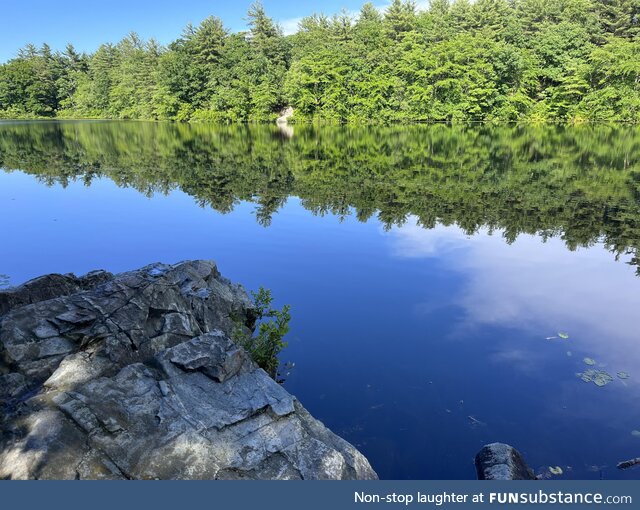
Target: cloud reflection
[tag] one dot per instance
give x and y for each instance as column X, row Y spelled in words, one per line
column 537, row 287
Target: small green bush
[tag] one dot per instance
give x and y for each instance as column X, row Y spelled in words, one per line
column 265, row 345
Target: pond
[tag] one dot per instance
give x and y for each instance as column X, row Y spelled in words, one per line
column 450, row 285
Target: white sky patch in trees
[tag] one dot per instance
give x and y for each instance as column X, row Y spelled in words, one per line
column 289, row 26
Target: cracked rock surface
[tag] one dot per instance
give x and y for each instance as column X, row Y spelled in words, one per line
column 135, row 376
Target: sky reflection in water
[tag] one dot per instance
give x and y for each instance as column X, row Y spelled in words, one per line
column 418, row 345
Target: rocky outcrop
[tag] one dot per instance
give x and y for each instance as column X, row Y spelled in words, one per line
column 48, row 287
column 499, row 461
column 135, row 376
column 285, row 114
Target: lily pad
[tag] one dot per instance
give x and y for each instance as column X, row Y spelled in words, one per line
column 597, row 377
column 623, row 375
column 587, row 375
column 563, row 335
column 555, row 470
column 589, row 361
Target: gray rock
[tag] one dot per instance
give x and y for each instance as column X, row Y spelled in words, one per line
column 135, row 376
column 499, row 461
column 48, row 287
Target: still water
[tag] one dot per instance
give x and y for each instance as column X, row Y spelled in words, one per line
column 432, row 270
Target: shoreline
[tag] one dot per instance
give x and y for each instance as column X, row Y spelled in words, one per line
column 326, row 122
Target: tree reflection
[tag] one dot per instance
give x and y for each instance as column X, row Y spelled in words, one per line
column 579, row 183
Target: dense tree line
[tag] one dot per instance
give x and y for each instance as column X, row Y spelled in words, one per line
column 457, row 60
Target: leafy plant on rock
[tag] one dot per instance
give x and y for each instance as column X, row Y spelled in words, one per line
column 265, row 345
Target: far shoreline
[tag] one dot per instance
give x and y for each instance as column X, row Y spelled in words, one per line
column 327, row 122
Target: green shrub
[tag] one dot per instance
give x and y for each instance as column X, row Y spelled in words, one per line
column 265, row 345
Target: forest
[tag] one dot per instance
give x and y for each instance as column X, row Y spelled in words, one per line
column 460, row 60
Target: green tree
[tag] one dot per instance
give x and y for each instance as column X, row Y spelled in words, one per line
column 620, row 18
column 400, row 17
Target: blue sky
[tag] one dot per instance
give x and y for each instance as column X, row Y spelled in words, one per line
column 87, row 24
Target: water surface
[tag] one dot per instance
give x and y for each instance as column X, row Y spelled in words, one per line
column 426, row 267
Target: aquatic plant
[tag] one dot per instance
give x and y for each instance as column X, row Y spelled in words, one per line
column 598, row 377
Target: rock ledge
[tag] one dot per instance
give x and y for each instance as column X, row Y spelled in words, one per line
column 135, row 376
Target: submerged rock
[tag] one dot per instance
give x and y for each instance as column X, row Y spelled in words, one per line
column 499, row 461
column 135, row 376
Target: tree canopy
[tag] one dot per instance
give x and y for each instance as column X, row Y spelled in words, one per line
column 531, row 60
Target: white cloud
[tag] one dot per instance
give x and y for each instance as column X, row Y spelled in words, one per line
column 413, row 241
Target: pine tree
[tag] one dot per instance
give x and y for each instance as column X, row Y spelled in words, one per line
column 620, row 18
column 400, row 17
